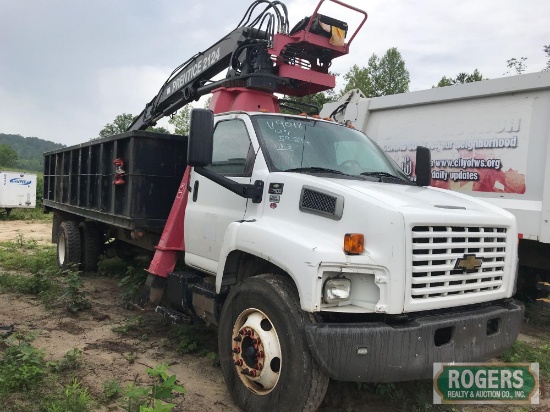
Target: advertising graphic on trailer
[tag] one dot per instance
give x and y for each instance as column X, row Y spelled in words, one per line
column 480, row 149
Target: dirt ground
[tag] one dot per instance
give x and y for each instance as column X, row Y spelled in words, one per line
column 109, row 355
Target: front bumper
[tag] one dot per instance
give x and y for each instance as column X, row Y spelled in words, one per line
column 408, row 351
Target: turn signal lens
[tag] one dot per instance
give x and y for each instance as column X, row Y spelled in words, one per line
column 354, row 243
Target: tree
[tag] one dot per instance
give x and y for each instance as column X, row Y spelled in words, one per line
column 122, row 122
column 546, row 50
column 382, row 76
column 119, row 125
column 303, row 104
column 8, row 156
column 461, row 78
column 518, row 65
column 180, row 120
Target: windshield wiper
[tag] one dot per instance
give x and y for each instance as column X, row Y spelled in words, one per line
column 382, row 174
column 316, row 170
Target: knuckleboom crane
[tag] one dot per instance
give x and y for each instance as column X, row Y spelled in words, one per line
column 262, row 57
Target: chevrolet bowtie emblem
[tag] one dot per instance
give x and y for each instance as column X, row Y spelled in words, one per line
column 468, row 263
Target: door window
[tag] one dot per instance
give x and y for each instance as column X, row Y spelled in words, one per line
column 233, row 154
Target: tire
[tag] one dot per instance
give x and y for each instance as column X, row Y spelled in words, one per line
column 91, row 246
column 68, row 244
column 287, row 378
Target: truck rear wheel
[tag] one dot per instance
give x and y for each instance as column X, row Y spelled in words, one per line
column 264, row 354
column 91, row 246
column 68, row 244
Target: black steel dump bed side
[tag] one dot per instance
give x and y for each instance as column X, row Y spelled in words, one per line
column 81, row 179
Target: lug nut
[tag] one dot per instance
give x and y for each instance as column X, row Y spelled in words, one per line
column 261, row 354
column 238, row 338
column 239, row 362
column 236, row 350
column 252, row 373
column 258, row 366
column 244, row 372
column 242, row 332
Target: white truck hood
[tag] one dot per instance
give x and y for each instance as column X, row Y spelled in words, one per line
column 403, row 197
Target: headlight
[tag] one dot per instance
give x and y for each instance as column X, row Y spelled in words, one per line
column 336, row 290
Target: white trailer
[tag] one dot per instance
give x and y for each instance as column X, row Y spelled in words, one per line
column 488, row 139
column 17, row 190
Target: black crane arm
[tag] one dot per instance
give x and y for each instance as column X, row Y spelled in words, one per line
column 182, row 87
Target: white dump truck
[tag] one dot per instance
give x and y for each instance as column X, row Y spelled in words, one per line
column 488, row 139
column 17, row 190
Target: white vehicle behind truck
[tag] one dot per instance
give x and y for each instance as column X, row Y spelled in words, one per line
column 17, row 190
column 488, row 139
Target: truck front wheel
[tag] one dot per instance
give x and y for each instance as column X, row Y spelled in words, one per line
column 264, row 354
column 68, row 244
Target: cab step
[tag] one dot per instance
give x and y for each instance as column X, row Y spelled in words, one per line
column 173, row 316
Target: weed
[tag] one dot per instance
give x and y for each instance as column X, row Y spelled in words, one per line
column 27, row 255
column 74, row 298
column 147, row 398
column 70, row 361
column 130, row 357
column 112, row 389
column 198, row 339
column 132, row 324
column 37, row 284
column 132, row 283
column 21, row 367
column 73, row 399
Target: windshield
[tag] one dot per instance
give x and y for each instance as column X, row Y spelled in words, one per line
column 308, row 145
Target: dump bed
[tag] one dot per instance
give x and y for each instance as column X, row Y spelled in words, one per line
column 83, row 179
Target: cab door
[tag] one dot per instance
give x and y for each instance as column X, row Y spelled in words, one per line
column 210, row 207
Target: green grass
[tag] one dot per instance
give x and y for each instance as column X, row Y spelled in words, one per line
column 27, row 255
column 530, row 352
column 29, row 383
column 26, row 214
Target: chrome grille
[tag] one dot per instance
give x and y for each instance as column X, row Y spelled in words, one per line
column 435, row 250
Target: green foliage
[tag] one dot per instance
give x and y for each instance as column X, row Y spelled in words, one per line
column 132, row 283
column 303, row 103
column 74, row 299
column 29, row 150
column 112, row 390
column 516, row 65
column 73, row 399
column 461, row 78
column 529, row 352
column 24, row 254
column 22, row 367
column 198, row 339
column 36, row 284
column 8, row 156
column 70, row 361
column 147, row 398
column 119, row 125
column 383, row 75
column 180, row 120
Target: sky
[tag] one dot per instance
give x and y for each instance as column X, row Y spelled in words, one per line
column 68, row 67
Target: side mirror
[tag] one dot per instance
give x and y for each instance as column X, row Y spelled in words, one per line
column 423, row 167
column 201, row 138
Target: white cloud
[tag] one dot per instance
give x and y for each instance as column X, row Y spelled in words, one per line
column 68, row 69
